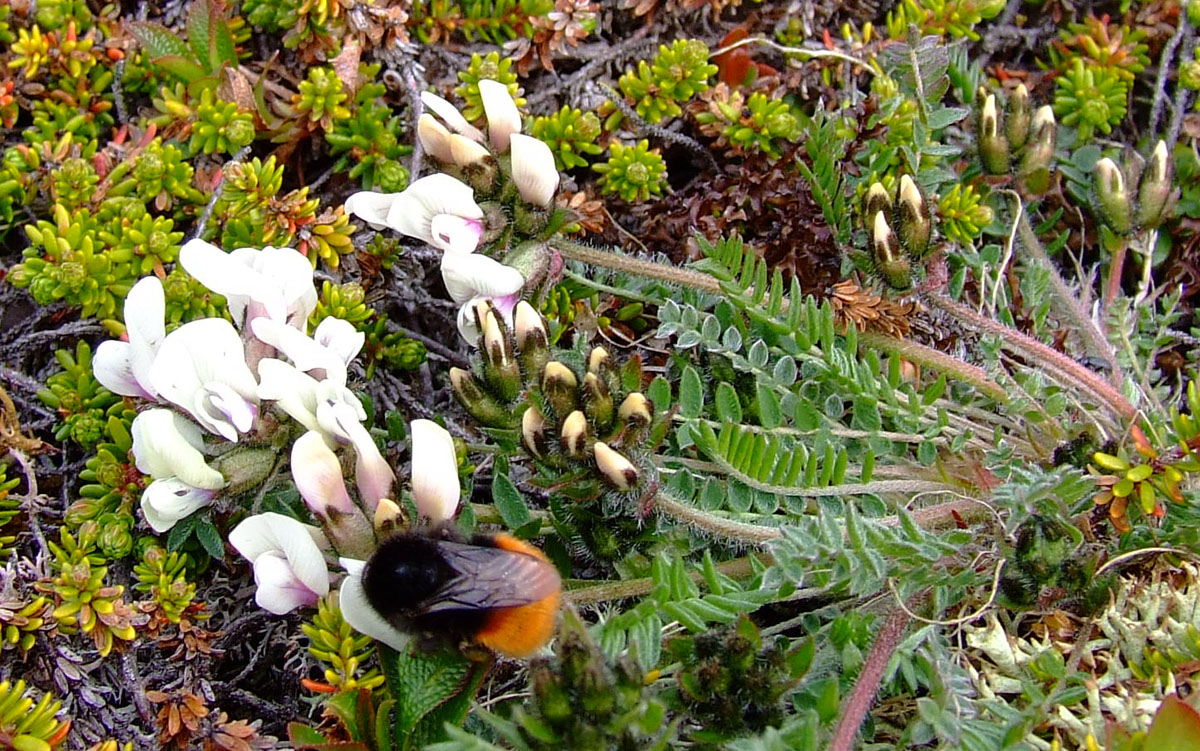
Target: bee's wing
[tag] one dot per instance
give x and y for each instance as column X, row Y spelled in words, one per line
column 492, row 578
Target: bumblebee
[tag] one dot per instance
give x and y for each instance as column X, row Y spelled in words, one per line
column 493, row 590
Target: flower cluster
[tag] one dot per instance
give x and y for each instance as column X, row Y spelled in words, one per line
column 219, row 373
column 289, row 557
column 495, row 189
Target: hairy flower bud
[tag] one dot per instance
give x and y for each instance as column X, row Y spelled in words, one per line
column 618, row 470
column 1154, row 190
column 533, row 431
column 561, row 387
column 1038, row 158
column 915, row 226
column 478, row 403
column 533, row 344
column 877, row 200
column 388, row 518
column 1019, row 116
column 500, row 371
column 597, row 401
column 1112, row 197
column 890, row 261
column 993, row 145
column 573, row 434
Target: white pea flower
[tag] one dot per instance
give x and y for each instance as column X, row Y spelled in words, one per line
column 289, row 567
column 437, row 209
column 273, row 282
column 169, row 449
column 201, row 368
column 533, row 170
column 124, row 367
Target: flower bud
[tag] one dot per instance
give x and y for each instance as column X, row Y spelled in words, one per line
column 561, row 387
column 245, row 467
column 435, row 138
column 993, row 145
column 478, row 403
column 598, row 359
column 1112, row 197
column 1154, row 191
column 1038, row 157
column 602, row 364
column 573, row 434
column 533, row 170
column 915, row 226
column 533, row 344
column 465, row 151
column 553, row 701
column 501, row 372
column 635, row 410
column 533, row 431
column 1019, row 116
column 618, row 470
column 504, row 119
column 597, row 401
column 877, row 200
column 388, row 518
column 890, row 261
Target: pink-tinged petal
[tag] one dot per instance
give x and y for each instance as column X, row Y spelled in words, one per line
column 318, row 476
column 266, row 533
column 454, row 234
column 435, row 486
column 533, row 170
column 306, row 353
column 450, row 115
column 340, row 337
column 504, row 119
column 435, row 138
column 412, row 212
column 472, row 275
column 165, row 502
column 466, row 152
column 467, row 326
column 372, row 474
column 224, row 411
column 279, row 591
column 166, row 445
column 112, row 365
column 357, row 611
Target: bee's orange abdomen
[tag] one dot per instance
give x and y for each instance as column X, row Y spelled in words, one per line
column 520, row 631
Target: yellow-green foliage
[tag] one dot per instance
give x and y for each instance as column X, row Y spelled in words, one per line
column 26, row 725
column 633, row 172
column 676, row 74
column 344, row 650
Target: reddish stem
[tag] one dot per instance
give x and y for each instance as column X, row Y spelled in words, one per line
column 863, row 695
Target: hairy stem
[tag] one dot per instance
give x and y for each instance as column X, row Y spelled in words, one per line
column 941, row 516
column 1115, row 270
column 869, row 678
column 911, row 351
column 927, row 357
column 738, row 568
column 661, row 271
column 1092, row 336
column 1069, row 370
